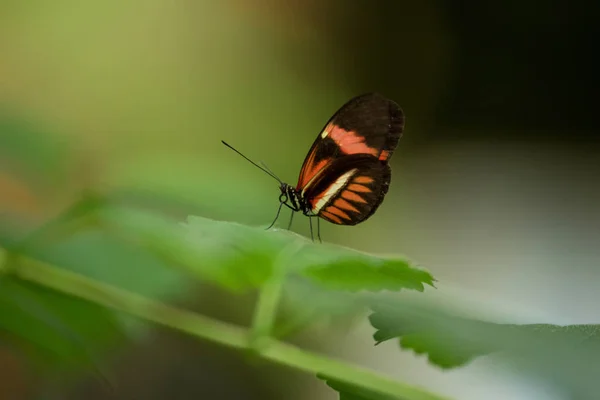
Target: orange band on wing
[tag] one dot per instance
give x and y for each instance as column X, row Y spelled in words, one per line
column 352, row 196
column 344, row 205
column 310, row 173
column 349, row 141
column 338, row 212
column 363, row 179
column 331, row 217
column 358, row 188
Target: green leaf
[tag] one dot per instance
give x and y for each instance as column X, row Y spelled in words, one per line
column 235, row 255
column 103, row 256
column 240, row 256
column 448, row 348
column 56, row 329
column 206, row 251
column 99, row 255
column 442, row 348
column 565, row 355
column 306, row 303
column 337, row 267
column 354, row 392
column 319, row 278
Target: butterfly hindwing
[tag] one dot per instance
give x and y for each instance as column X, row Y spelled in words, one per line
column 369, row 124
column 351, row 190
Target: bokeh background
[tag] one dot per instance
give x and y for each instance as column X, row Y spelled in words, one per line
column 495, row 183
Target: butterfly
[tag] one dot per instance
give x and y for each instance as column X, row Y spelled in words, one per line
column 346, row 173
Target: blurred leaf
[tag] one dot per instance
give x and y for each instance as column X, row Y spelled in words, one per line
column 241, row 256
column 80, row 215
column 447, row 349
column 99, row 255
column 49, row 321
column 565, row 355
column 161, row 236
column 353, row 392
column 103, row 256
column 305, row 304
column 56, row 329
column 40, row 154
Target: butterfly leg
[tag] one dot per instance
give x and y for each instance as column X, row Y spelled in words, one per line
column 291, row 219
column 276, row 217
column 311, row 230
column 319, row 229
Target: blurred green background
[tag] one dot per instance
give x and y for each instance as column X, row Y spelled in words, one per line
column 495, row 182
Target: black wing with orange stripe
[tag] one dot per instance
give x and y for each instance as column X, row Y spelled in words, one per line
column 368, row 124
column 351, row 189
column 346, row 175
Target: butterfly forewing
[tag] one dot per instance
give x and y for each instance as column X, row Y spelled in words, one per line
column 369, row 124
column 350, row 191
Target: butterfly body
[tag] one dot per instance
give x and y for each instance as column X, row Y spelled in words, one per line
column 293, row 199
column 346, row 174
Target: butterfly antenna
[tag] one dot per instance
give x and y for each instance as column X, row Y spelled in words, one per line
column 269, row 169
column 266, row 170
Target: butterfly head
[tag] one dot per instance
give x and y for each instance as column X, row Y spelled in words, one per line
column 289, row 196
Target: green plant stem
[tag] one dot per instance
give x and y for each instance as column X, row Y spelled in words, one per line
column 265, row 312
column 210, row 329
